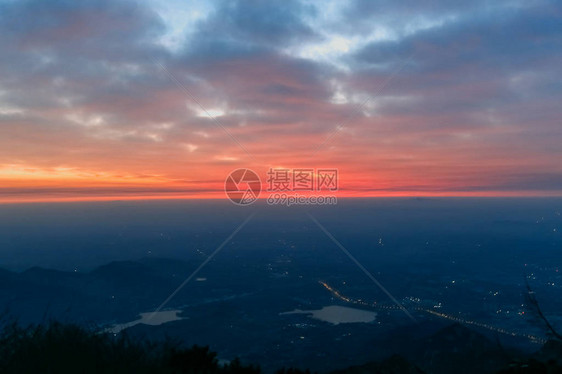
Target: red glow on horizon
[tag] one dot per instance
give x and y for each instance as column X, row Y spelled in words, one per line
column 28, row 184
column 220, row 195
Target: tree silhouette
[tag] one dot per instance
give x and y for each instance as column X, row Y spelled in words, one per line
column 535, row 308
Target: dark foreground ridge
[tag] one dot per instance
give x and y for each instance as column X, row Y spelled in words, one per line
column 69, row 348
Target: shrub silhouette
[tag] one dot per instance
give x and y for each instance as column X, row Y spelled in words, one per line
column 67, row 348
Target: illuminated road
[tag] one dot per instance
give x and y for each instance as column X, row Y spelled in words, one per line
column 340, row 296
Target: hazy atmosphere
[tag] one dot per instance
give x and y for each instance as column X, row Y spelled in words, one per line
column 280, row 187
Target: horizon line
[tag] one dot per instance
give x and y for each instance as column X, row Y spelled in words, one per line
column 446, row 194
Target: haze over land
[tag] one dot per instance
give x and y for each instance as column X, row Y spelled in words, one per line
column 446, row 260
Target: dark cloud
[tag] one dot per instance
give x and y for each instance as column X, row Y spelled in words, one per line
column 268, row 23
column 68, row 53
column 504, row 39
column 494, row 63
column 99, row 29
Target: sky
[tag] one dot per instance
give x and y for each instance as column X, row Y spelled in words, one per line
column 160, row 99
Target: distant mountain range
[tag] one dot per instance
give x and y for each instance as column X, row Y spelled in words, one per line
column 113, row 292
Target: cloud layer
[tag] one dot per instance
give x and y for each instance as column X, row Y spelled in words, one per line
column 115, row 98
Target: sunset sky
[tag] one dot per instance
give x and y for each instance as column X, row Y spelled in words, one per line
column 118, row 99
